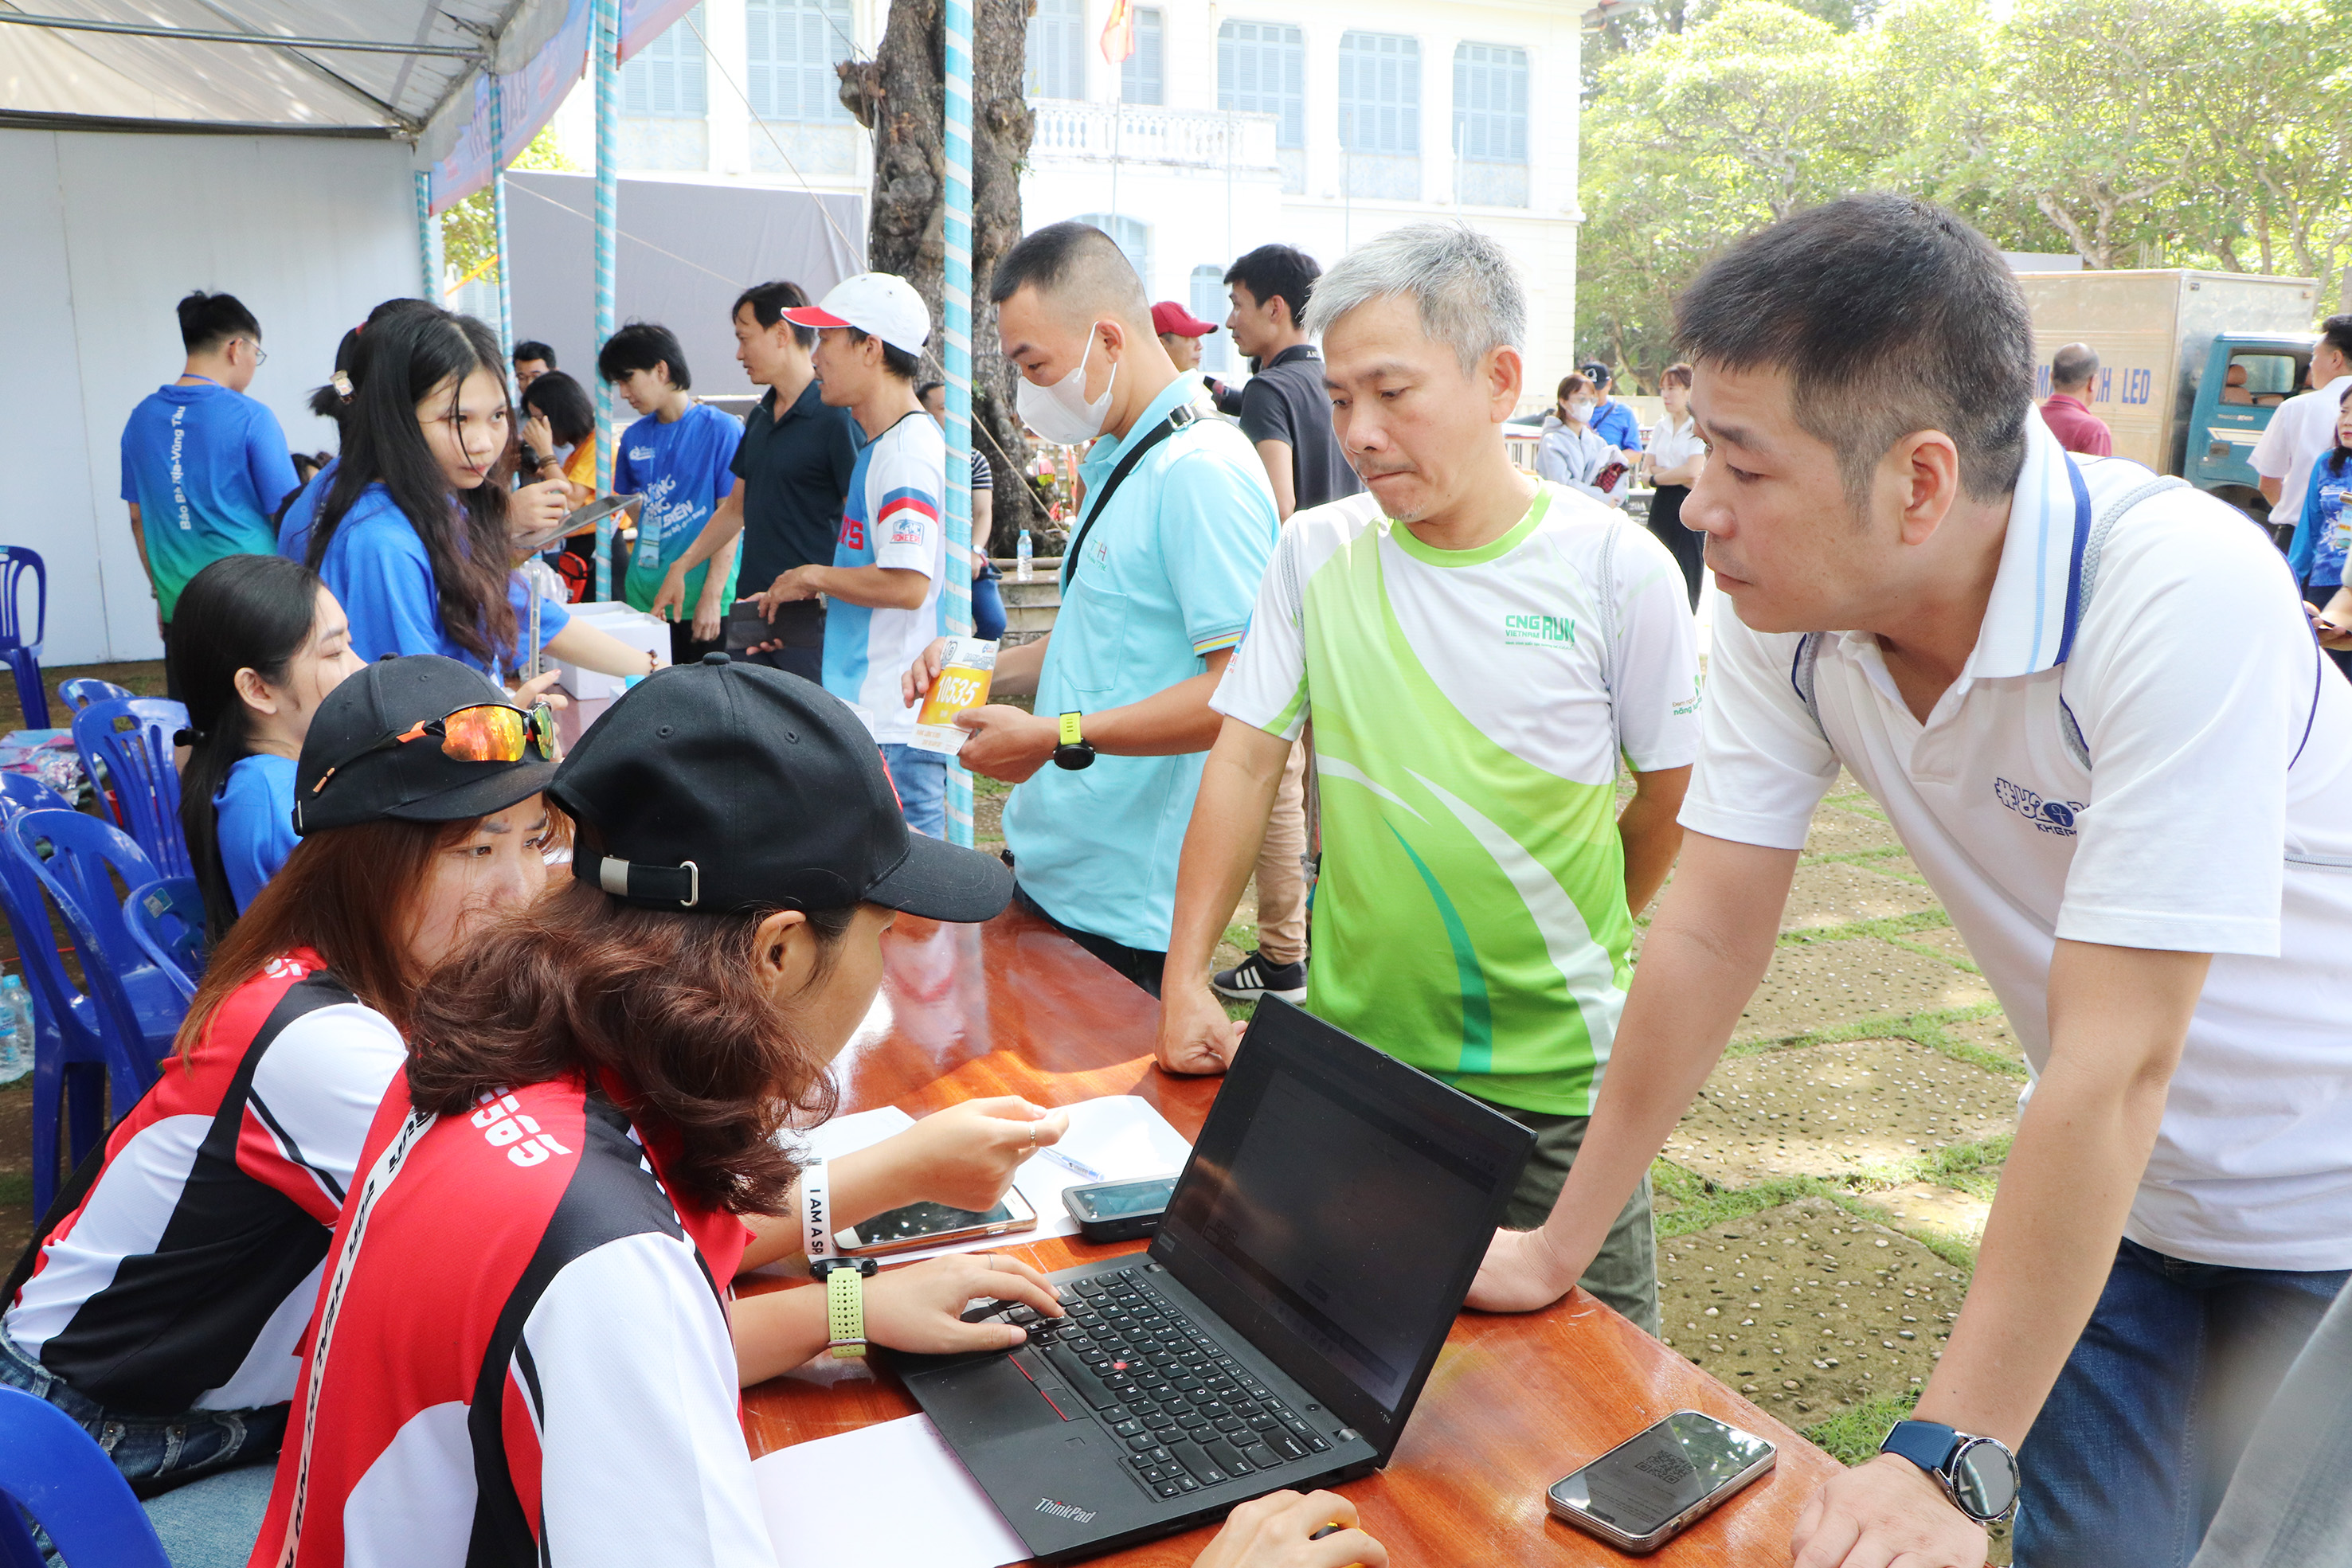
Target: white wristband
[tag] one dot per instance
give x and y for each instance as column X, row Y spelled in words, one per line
column 816, row 1212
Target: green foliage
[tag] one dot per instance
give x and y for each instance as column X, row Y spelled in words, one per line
column 2131, row 132
column 1854, row 1437
column 470, row 231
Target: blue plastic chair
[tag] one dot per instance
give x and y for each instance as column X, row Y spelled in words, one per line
column 123, row 1026
column 167, row 921
column 131, row 739
column 57, row 1473
column 81, row 692
column 23, row 654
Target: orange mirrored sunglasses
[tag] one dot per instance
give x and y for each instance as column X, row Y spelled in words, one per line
column 486, row 732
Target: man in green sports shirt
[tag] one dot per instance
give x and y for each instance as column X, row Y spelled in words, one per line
column 1478, row 650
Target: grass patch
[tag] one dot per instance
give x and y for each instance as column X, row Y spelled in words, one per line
column 1925, row 1028
column 1887, row 926
column 1854, row 1437
column 16, row 1190
column 1685, row 1201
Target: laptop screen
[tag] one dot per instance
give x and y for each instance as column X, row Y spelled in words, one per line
column 1345, row 1199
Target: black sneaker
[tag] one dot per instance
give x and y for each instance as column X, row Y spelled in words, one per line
column 1254, row 977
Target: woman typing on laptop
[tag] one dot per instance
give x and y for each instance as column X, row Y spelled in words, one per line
column 523, row 1350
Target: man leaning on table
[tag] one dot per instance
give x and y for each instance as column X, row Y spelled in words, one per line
column 1477, row 648
column 2147, row 847
column 1156, row 587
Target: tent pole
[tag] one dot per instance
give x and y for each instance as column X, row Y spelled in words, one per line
column 428, row 259
column 955, row 597
column 499, row 210
column 606, row 57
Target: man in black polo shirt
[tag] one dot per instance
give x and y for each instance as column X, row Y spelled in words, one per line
column 791, row 474
column 1286, row 412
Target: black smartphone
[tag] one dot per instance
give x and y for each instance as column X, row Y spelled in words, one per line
column 1118, row 1210
column 799, row 624
column 1647, row 1490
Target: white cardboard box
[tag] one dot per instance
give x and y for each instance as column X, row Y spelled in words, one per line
column 635, row 627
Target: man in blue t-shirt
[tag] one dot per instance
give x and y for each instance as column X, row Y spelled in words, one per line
column 203, row 466
column 1156, row 591
column 680, row 459
column 1612, row 421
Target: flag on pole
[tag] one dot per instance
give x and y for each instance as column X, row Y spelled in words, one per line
column 1119, row 33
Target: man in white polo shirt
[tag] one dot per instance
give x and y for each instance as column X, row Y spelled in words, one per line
column 2146, row 846
column 2303, row 426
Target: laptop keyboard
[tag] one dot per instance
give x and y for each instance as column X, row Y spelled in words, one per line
column 1190, row 1416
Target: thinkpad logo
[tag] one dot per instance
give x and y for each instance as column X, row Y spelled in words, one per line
column 1068, row 1510
column 2047, row 816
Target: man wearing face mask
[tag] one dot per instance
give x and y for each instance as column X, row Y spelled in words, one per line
column 1158, row 582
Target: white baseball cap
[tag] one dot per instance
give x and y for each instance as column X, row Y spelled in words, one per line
column 880, row 304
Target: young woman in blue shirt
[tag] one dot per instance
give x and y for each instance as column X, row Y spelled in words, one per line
column 264, row 644
column 415, row 536
column 2322, row 539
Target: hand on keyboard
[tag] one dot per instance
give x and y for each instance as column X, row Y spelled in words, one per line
column 919, row 1307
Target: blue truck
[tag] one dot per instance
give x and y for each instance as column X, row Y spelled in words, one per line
column 2192, row 363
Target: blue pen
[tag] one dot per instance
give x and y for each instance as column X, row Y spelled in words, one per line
column 1077, row 1167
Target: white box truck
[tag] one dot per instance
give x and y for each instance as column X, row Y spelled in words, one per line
column 2170, row 342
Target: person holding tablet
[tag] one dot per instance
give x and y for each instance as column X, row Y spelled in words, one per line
column 412, row 536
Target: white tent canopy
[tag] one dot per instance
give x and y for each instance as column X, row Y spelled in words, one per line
column 386, row 67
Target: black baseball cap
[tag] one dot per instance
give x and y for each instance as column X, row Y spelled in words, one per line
column 727, row 787
column 1596, row 372
column 345, row 779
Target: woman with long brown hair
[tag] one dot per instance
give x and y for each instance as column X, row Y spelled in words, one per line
column 163, row 1296
column 591, row 1104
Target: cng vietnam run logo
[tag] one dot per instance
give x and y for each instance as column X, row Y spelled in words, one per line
column 1539, row 632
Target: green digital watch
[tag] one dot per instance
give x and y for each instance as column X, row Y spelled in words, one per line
column 844, row 1301
column 1073, row 752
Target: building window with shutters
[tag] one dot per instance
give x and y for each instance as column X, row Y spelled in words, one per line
column 1262, row 69
column 1490, row 124
column 790, row 47
column 663, row 101
column 1057, row 49
column 1380, row 115
column 1138, row 74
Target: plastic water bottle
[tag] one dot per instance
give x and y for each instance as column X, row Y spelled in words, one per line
column 15, row 1030
column 1020, row 572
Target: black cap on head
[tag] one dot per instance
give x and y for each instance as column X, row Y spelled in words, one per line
column 729, row 786
column 342, row 780
column 1596, row 372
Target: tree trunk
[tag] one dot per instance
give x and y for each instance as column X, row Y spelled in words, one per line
column 898, row 96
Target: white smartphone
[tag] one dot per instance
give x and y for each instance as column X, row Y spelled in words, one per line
column 1650, row 1487
column 931, row 1224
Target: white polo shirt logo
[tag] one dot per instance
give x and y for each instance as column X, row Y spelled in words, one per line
column 2048, row 816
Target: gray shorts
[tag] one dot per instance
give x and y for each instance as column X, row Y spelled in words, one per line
column 1625, row 1273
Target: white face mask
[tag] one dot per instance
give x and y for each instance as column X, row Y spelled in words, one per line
column 1581, row 408
column 1061, row 412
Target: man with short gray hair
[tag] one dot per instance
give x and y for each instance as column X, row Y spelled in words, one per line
column 2067, row 410
column 1477, row 648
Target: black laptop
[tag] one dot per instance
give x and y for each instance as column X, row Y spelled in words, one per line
column 1276, row 1333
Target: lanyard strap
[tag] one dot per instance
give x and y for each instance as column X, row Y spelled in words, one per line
column 1182, row 414
column 386, row 1167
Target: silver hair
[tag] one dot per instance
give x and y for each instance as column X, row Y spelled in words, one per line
column 1466, row 285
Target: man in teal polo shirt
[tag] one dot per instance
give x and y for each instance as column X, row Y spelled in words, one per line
column 1157, row 588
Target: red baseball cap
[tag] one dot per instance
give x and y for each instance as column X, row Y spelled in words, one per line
column 1170, row 319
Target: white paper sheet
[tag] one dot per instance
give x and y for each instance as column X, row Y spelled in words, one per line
column 897, row 1488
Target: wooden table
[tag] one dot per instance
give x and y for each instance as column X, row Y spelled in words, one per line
column 1513, row 1403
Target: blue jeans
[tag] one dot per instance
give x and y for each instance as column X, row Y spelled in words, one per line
column 207, row 1472
column 921, row 778
column 2127, row 1461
